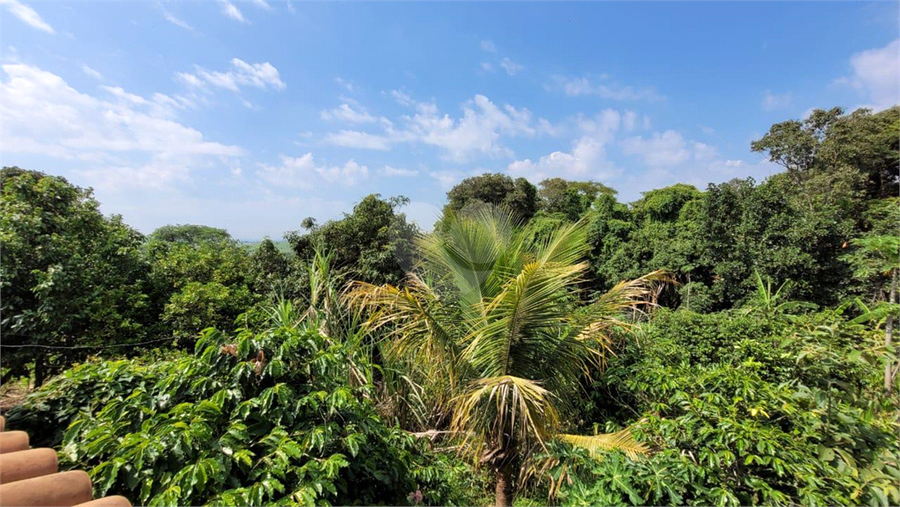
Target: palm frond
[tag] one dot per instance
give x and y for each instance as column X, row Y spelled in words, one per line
column 505, row 412
column 632, row 294
column 411, row 316
column 621, row 440
column 628, row 295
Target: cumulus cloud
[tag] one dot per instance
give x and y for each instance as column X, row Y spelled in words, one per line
column 479, row 131
column 772, row 101
column 587, row 158
column 575, row 87
column 660, row 150
column 127, row 140
column 242, row 74
column 346, row 113
column 296, row 172
column 876, row 74
column 403, row 98
column 488, row 46
column 28, row 15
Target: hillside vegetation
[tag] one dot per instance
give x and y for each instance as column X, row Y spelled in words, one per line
column 544, row 345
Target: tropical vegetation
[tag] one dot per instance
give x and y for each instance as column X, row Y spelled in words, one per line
column 543, row 345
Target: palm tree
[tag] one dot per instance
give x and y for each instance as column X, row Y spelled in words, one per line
column 490, row 314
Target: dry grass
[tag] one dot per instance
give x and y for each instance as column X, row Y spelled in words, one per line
column 13, row 393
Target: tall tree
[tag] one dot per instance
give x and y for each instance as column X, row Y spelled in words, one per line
column 69, row 275
column 189, row 234
column 198, row 281
column 373, row 243
column 571, row 198
column 494, row 313
column 519, row 196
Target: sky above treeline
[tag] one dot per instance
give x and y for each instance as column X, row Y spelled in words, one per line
column 253, row 115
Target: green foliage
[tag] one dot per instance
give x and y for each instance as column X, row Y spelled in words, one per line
column 659, row 231
column 252, row 419
column 189, row 234
column 374, row 243
column 201, row 305
column 570, row 198
column 490, row 317
column 831, row 142
column 743, row 411
column 68, row 274
column 273, row 271
column 518, row 196
column 199, row 285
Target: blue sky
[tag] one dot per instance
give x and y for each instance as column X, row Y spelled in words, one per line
column 253, row 115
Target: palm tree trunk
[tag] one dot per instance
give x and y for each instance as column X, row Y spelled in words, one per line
column 503, row 488
column 889, row 334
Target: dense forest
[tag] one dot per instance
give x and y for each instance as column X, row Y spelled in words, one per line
column 542, row 345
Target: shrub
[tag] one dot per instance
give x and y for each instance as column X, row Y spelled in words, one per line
column 742, row 411
column 266, row 418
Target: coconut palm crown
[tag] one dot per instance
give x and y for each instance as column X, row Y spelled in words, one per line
column 490, row 312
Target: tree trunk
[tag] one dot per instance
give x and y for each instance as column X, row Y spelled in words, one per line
column 889, row 333
column 38, row 368
column 503, row 489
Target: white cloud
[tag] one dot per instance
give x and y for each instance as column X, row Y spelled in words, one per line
column 230, row 10
column 876, row 74
column 171, row 18
column 296, row 172
column 91, row 72
column 343, row 83
column 128, row 141
column 357, row 139
column 511, row 67
column 704, row 151
column 27, row 15
column 772, row 101
column 446, row 179
column 259, row 75
column 661, row 150
column 477, row 132
column 487, row 66
column 488, row 46
column 575, row 87
column 262, row 3
column 125, row 96
column 402, row 98
column 395, row 171
column 587, row 158
column 629, row 120
column 346, row 113
column 545, row 127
